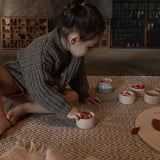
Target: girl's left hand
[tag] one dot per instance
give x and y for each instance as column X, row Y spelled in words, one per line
column 92, row 100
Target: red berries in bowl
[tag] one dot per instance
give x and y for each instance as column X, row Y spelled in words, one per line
column 138, row 89
column 106, row 80
column 138, row 86
column 86, row 116
column 87, row 120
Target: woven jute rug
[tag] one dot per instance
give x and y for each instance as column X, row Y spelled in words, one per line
column 110, row 139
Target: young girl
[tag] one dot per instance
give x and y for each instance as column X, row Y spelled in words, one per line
column 37, row 81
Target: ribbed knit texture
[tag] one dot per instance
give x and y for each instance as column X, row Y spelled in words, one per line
column 45, row 68
column 79, row 83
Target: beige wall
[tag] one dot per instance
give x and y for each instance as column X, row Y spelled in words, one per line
column 37, row 8
column 31, row 8
column 104, row 6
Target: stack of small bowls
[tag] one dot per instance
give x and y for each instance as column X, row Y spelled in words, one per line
column 105, row 86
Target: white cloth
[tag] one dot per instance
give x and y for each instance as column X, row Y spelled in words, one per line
column 20, row 153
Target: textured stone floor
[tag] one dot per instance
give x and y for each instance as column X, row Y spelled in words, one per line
column 124, row 62
column 113, row 61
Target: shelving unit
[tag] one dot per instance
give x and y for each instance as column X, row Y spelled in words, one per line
column 153, row 24
column 18, row 32
column 135, row 24
column 105, row 40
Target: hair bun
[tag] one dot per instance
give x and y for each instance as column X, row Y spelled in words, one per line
column 74, row 3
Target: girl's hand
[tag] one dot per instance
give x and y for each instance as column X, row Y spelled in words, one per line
column 92, row 100
column 74, row 113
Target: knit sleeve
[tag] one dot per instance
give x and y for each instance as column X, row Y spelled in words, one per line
column 34, row 76
column 79, row 83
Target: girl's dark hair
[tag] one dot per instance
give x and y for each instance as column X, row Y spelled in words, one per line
column 83, row 18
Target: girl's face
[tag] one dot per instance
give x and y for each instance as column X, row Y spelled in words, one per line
column 81, row 48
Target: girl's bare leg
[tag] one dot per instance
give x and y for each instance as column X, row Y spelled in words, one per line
column 20, row 110
column 4, row 124
column 33, row 107
column 7, row 86
column 71, row 97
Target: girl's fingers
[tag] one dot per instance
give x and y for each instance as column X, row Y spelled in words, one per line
column 76, row 117
column 93, row 101
column 98, row 99
column 79, row 116
column 88, row 101
column 74, row 113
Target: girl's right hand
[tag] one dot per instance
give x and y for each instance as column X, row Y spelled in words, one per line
column 74, row 113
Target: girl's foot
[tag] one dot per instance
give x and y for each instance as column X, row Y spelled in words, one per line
column 15, row 114
column 4, row 124
column 29, row 107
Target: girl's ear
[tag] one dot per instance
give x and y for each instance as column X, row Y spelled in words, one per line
column 74, row 39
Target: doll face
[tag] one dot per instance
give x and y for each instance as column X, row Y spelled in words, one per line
column 80, row 48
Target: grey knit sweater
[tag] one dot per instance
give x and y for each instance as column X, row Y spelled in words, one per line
column 46, row 69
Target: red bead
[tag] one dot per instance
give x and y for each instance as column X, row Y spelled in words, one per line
column 138, row 86
column 86, row 116
column 135, row 130
column 105, row 81
column 142, row 86
column 89, row 116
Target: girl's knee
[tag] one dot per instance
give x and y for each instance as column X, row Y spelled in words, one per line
column 2, row 72
column 72, row 97
column 75, row 95
column 8, row 84
column 6, row 78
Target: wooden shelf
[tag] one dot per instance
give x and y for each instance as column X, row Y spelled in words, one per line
column 133, row 23
column 105, row 40
column 18, row 32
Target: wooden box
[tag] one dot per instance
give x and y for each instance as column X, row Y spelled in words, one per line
column 18, row 32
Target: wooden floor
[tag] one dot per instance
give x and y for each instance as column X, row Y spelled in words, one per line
column 113, row 61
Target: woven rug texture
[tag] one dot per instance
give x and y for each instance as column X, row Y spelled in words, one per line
column 110, row 139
